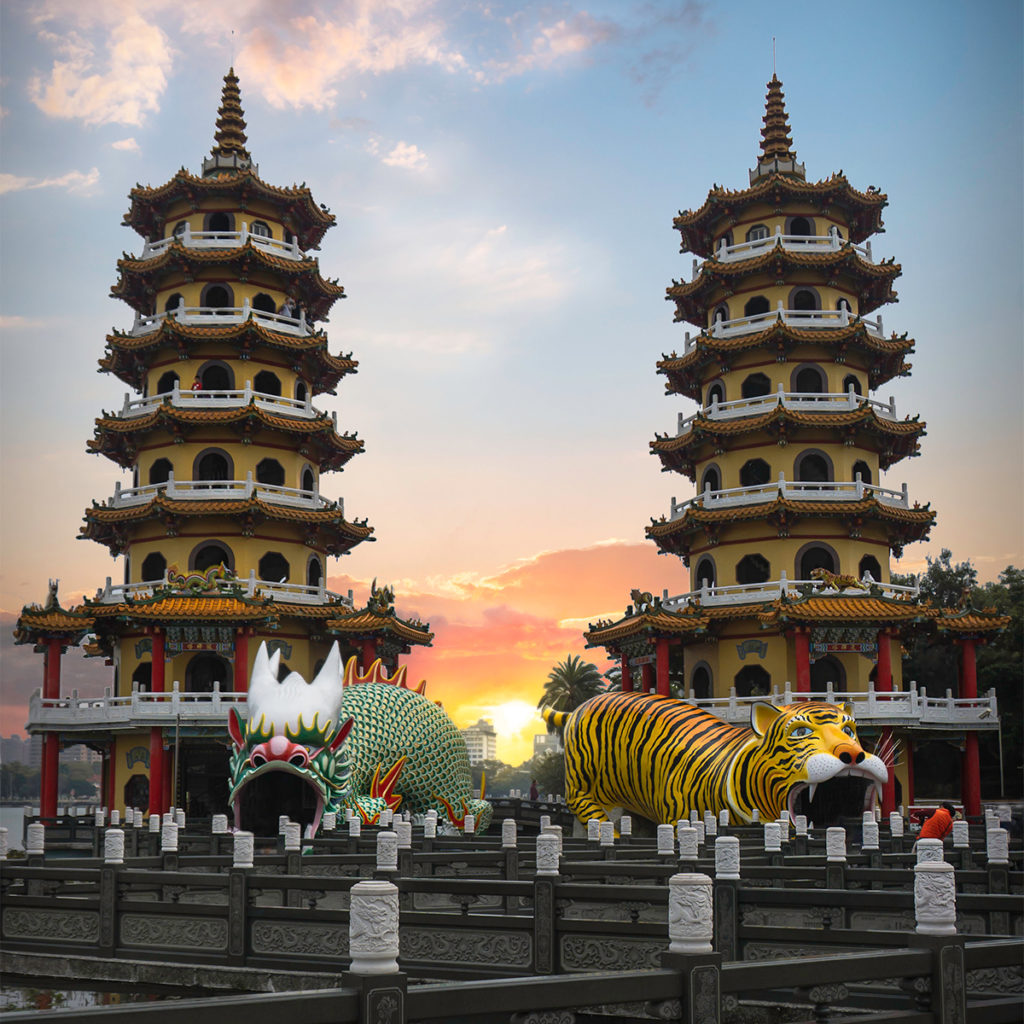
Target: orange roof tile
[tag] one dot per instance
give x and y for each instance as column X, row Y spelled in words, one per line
column 220, row 607
column 367, row 622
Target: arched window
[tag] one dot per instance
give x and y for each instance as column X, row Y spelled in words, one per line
column 300, row 390
column 206, row 669
column 314, row 571
column 757, row 232
column 828, row 670
column 219, row 221
column 704, row 574
column 165, row 385
column 274, row 567
column 752, row 681
column 869, row 564
column 261, row 228
column 270, row 471
column 308, row 479
column 756, row 306
column 209, row 553
column 212, row 464
column 816, row 556
column 799, row 226
column 711, row 480
column 264, row 303
column 804, row 299
column 179, row 228
column 216, row 376
column 217, row 296
column 700, row 681
column 154, row 567
column 863, row 470
column 755, row 473
column 160, row 472
column 143, row 676
column 173, row 302
column 809, row 380
column 756, row 385
column 842, row 304
column 725, row 239
column 716, row 393
column 753, row 569
column 813, row 466
column 136, row 791
column 267, row 383
column 720, row 312
column 851, row 380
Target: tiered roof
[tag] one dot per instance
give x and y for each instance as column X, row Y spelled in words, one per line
column 776, row 141
column 229, row 139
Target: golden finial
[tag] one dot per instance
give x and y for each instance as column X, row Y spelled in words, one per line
column 775, row 135
column 229, row 139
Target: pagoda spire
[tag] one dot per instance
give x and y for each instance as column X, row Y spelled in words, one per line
column 777, row 153
column 229, row 140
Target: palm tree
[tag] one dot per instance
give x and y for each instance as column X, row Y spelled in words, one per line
column 570, row 683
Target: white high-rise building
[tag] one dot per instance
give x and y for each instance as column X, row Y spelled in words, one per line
column 546, row 743
column 481, row 742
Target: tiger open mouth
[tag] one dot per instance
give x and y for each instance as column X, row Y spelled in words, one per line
column 847, row 794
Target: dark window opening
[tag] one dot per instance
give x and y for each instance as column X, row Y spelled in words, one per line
column 800, row 226
column 300, row 390
column 160, row 472
column 274, row 567
column 870, row 565
column 173, row 302
column 211, row 555
column 863, row 470
column 828, row 670
column 711, row 480
column 756, row 306
column 700, row 683
column 270, row 471
column 752, row 681
column 753, row 569
column 810, row 381
column 704, row 576
column 219, row 221
column 804, row 300
column 813, row 468
column 816, row 558
column 267, row 383
column 165, row 385
column 852, row 381
column 216, row 377
column 716, row 393
column 844, row 304
column 264, row 303
column 314, row 573
column 308, row 480
column 179, row 228
column 755, row 473
column 154, row 567
column 206, row 669
column 756, row 385
column 720, row 313
column 143, row 675
column 213, row 466
column 136, row 791
column 217, row 296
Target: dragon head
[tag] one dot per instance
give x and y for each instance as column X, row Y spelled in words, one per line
column 287, row 756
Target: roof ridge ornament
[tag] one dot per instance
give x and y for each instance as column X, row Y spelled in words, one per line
column 229, row 153
column 777, row 153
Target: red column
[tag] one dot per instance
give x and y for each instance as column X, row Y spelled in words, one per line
column 646, row 677
column 158, row 661
column 968, row 668
column 802, row 641
column 970, row 777
column 627, row 675
column 662, row 666
column 242, row 661
column 51, row 680
column 883, row 677
column 369, row 654
column 48, row 776
column 156, row 771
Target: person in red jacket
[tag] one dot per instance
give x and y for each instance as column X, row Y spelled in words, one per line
column 940, row 824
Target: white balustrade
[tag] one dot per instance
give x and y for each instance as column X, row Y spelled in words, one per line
column 113, row 846
column 221, row 490
column 727, row 857
column 666, row 840
column 835, row 845
column 758, row 593
column 508, row 833
column 549, row 850
column 832, row 242
column 801, row 319
column 387, row 851
column 935, row 898
column 625, row 826
column 593, row 829
column 220, row 399
column 607, row 833
column 35, row 839
column 224, row 240
column 222, row 316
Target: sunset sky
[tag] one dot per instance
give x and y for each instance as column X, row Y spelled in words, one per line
column 505, row 177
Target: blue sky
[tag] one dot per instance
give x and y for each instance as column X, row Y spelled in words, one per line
column 505, row 178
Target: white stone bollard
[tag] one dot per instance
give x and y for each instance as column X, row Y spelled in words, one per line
column 292, row 837
column 154, row 824
column 168, row 818
column 666, row 840
column 690, row 919
column 387, row 851
column 867, row 816
column 835, row 845
column 403, row 829
column 113, row 846
column 282, row 822
column 929, row 851
column 551, row 798
column 219, row 824
column 869, row 835
column 242, row 848
column 556, row 831
column 349, row 813
column 710, row 824
column 997, row 846
column 755, row 816
column 687, row 843
column 935, row 898
column 329, row 821
column 772, row 837
column 469, row 824
column 607, row 833
column 727, row 857
column 895, row 824
column 723, row 818
column 129, row 816
column 3, row 842
column 373, row 927
column 784, row 819
column 115, row 817
column 169, row 837
column 545, row 820
column 429, row 828
column 385, row 817
column 548, row 853
column 355, row 827
column 961, row 834
column 35, row 841
column 179, row 818
column 625, row 826
column 694, row 817
column 800, row 824
column 99, row 817
column 698, row 827
column 508, row 833
column 593, row 830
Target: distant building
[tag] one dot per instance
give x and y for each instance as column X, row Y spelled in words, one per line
column 546, row 743
column 481, row 742
column 14, row 748
column 80, row 752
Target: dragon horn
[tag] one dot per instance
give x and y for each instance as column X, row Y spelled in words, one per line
column 483, row 780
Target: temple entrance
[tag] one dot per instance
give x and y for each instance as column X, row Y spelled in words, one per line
column 206, row 669
column 136, row 792
column 268, row 796
column 203, row 774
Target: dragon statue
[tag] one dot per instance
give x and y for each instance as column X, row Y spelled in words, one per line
column 368, row 742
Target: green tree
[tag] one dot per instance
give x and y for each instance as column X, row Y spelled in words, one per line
column 569, row 684
column 549, row 771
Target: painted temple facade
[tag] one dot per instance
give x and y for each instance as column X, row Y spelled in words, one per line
column 789, row 535
column 223, row 536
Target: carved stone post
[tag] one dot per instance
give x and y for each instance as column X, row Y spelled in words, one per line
column 169, row 846
column 108, row 905
column 688, row 851
column 800, row 839
column 929, row 851
column 773, row 845
column 242, row 849
column 726, row 896
column 625, row 829
column 545, row 952
column 690, row 929
column 666, row 842
column 607, row 839
column 835, row 858
column 374, row 945
column 387, row 856
column 935, row 897
column 593, row 829
column 113, row 846
column 998, row 867
column 35, row 844
column 895, row 832
column 3, row 842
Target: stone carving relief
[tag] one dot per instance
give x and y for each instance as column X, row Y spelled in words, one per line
column 306, row 939
column 787, row 917
column 166, row 932
column 463, row 946
column 68, row 925
column 584, row 953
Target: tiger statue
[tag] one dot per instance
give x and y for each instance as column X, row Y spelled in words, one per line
column 660, row 758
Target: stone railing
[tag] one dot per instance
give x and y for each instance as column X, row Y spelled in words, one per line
column 220, row 399
column 769, row 590
column 222, row 490
column 802, row 319
column 793, row 490
column 291, row 593
column 222, row 316
column 224, row 240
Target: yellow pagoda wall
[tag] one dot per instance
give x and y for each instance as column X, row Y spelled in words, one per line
column 243, row 369
column 255, row 210
column 763, row 213
column 783, row 459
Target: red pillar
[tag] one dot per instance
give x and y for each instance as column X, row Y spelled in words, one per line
column 369, row 654
column 242, row 661
column 49, row 769
column 802, row 640
column 158, row 661
column 157, row 767
column 627, row 675
column 646, row 678
column 883, row 677
column 968, row 668
column 970, row 777
column 662, row 666
column 51, row 681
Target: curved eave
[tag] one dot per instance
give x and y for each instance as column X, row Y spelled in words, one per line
column 863, row 209
column 146, row 215
column 366, row 623
column 36, row 625
column 686, row 374
column 660, row 622
column 227, row 608
column 899, row 439
column 969, row 623
column 841, row 608
column 118, row 438
column 128, row 356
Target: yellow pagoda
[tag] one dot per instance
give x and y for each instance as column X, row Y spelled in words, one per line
column 224, row 533
column 789, row 535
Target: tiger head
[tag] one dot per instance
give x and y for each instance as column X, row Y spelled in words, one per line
column 811, row 762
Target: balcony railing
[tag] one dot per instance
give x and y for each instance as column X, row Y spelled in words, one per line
column 222, row 316
column 769, row 590
column 221, row 490
column 791, row 243
column 224, row 240
column 207, row 399
column 803, row 319
column 794, row 490
column 800, row 401
column 291, row 593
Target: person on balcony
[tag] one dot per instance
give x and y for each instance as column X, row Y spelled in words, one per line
column 287, row 307
column 940, row 824
column 197, row 384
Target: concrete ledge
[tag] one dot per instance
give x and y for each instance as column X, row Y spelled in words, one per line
column 88, row 969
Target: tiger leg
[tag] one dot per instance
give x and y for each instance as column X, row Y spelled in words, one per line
column 585, row 807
